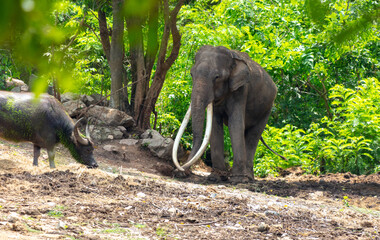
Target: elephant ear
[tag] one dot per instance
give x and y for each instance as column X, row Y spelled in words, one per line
column 240, row 73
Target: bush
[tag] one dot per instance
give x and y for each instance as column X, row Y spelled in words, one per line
column 349, row 142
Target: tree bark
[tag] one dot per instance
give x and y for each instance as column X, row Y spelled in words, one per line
column 116, row 54
column 163, row 65
column 104, row 34
column 140, row 83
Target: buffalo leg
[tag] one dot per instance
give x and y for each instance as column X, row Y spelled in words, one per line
column 36, row 154
column 51, row 155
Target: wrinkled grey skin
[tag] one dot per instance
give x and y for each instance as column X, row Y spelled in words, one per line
column 43, row 122
column 243, row 94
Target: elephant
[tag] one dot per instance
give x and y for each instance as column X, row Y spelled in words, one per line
column 239, row 93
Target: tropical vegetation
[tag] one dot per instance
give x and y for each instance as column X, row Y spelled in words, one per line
column 323, row 56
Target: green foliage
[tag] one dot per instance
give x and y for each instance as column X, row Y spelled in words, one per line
column 347, row 143
column 85, row 56
column 56, row 214
column 28, row 28
column 298, row 51
column 282, row 38
column 326, row 115
column 8, row 68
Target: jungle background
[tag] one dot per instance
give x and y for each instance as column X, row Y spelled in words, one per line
column 322, row 55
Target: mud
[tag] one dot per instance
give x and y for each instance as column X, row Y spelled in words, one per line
column 135, row 199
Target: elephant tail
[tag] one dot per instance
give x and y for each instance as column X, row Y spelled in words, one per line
column 266, row 145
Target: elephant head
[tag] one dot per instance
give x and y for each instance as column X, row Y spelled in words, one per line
column 216, row 73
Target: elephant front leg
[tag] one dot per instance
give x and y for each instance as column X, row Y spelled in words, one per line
column 219, row 169
column 239, row 173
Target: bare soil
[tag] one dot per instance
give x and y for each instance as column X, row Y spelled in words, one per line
column 133, row 196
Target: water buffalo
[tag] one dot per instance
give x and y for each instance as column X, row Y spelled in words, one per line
column 44, row 122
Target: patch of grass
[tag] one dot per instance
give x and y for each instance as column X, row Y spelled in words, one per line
column 60, row 207
column 32, row 230
column 138, row 225
column 114, row 230
column 366, row 211
column 56, row 214
column 28, row 218
column 162, row 232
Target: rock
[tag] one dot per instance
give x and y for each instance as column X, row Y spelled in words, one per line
column 88, row 100
column 73, row 107
column 111, row 148
column 141, row 195
column 157, row 144
column 61, row 225
column 150, row 133
column 263, row 227
column 172, row 211
column 110, row 117
column 16, row 89
column 129, row 142
column 97, row 97
column 68, row 96
column 51, row 204
column 13, row 217
column 17, row 85
column 271, row 213
column 116, row 133
column 102, row 133
column 123, row 130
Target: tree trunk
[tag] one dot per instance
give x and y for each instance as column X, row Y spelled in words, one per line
column 140, row 83
column 116, row 54
column 143, row 119
column 104, row 34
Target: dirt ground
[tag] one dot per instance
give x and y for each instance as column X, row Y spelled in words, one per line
column 133, row 196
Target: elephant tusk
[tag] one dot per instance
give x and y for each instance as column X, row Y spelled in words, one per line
column 206, row 138
column 178, row 138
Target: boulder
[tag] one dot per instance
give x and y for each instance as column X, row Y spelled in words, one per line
column 17, row 85
column 73, row 107
column 16, row 89
column 88, row 100
column 110, row 117
column 68, row 96
column 101, row 133
column 111, row 148
column 157, row 144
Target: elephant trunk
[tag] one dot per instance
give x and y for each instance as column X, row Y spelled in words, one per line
column 198, row 118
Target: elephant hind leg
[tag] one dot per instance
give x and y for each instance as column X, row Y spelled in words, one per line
column 252, row 138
